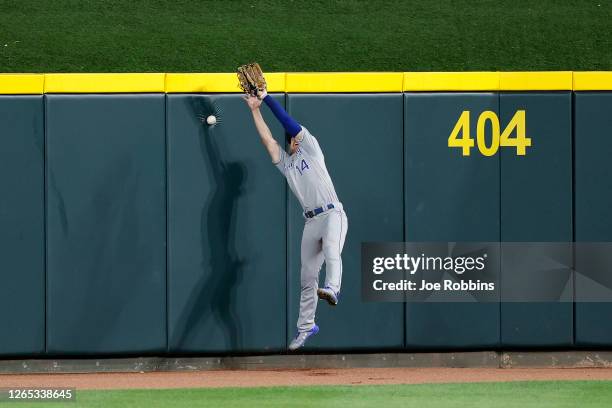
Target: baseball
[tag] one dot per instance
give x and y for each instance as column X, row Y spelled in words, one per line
column 211, row 120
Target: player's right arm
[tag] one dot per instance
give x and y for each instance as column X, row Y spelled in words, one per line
column 265, row 135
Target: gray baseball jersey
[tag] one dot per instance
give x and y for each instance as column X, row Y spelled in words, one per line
column 324, row 234
column 307, row 174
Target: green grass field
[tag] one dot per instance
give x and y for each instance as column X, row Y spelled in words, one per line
column 584, row 394
column 285, row 35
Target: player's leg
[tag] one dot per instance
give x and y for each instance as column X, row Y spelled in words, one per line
column 312, row 260
column 334, row 235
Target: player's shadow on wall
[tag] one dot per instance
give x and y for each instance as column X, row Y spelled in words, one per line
column 214, row 295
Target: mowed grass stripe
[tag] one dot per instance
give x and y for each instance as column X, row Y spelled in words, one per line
column 540, row 394
column 291, row 36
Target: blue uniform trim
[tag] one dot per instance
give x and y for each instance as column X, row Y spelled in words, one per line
column 291, row 126
column 318, row 210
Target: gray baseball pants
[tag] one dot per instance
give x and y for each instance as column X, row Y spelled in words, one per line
column 322, row 240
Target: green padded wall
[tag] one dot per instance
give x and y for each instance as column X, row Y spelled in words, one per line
column 361, row 138
column 200, row 254
column 227, row 232
column 22, row 265
column 536, row 206
column 449, row 197
column 106, row 228
column 593, row 198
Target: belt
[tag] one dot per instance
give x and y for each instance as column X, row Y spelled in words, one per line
column 318, row 210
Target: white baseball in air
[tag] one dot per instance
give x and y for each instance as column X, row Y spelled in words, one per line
column 211, row 120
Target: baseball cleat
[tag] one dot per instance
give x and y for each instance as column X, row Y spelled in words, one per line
column 301, row 338
column 328, row 294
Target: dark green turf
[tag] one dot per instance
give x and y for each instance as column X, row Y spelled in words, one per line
column 285, row 35
column 584, row 394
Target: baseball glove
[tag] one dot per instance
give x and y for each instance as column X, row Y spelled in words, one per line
column 251, row 79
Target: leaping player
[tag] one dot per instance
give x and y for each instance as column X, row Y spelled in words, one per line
column 325, row 220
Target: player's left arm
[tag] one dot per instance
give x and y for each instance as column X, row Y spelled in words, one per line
column 291, row 126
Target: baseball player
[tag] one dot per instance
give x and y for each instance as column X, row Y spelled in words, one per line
column 325, row 221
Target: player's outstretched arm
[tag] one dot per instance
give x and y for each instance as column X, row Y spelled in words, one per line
column 291, row 126
column 264, row 132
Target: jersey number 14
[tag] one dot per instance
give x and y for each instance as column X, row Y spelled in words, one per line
column 302, row 166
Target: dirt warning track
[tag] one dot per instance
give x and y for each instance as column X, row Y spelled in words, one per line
column 304, row 377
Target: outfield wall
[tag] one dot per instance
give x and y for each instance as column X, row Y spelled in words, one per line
column 129, row 227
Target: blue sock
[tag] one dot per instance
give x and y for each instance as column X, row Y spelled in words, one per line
column 291, row 126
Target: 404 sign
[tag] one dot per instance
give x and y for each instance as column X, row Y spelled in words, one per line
column 514, row 134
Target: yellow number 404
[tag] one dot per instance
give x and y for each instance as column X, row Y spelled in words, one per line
column 465, row 142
